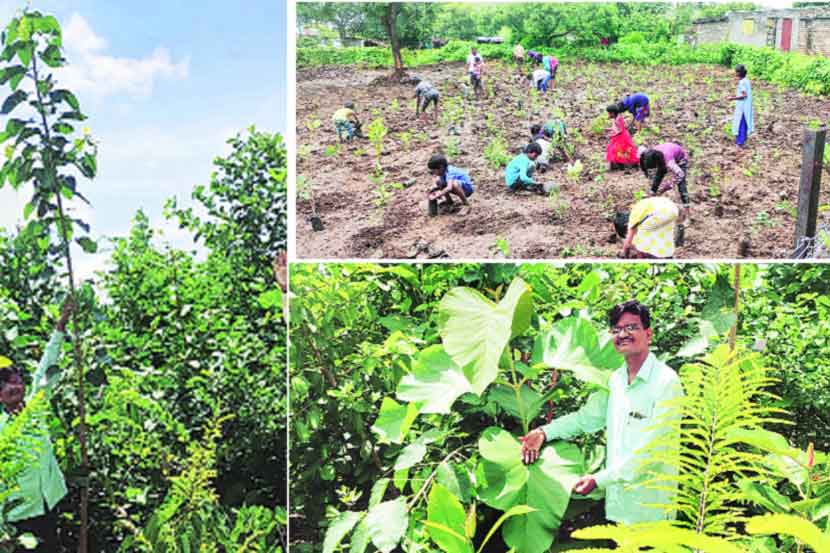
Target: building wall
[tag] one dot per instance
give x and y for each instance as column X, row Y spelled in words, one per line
column 748, row 28
column 817, row 36
column 709, row 33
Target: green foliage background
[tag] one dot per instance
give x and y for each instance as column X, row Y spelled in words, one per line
column 641, row 33
column 343, row 362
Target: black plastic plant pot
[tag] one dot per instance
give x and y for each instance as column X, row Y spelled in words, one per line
column 433, row 208
column 316, row 223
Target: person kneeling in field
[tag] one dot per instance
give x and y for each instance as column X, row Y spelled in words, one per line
column 425, row 94
column 346, row 122
column 518, row 175
column 636, row 105
column 448, row 180
column 663, row 158
column 538, row 136
column 621, row 151
column 649, row 229
column 539, row 80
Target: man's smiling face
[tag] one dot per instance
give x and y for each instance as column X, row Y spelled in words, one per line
column 12, row 392
column 631, row 337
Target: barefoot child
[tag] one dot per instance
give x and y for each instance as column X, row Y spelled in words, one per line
column 649, row 230
column 519, row 172
column 743, row 121
column 636, row 105
column 662, row 159
column 475, row 67
column 621, row 151
column 448, row 180
column 425, row 94
column 346, row 122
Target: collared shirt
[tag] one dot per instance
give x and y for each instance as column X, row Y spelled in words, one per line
column 42, row 480
column 628, row 413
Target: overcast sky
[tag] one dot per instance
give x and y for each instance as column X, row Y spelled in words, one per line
column 165, row 84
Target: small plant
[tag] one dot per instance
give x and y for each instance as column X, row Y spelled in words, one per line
column 395, row 105
column 304, row 151
column 452, row 147
column 557, row 203
column 574, row 170
column 304, row 188
column 405, row 137
column 377, row 132
column 502, row 246
column 639, row 195
column 376, row 112
column 599, row 124
column 787, row 207
column 496, row 153
column 313, row 124
column 331, row 149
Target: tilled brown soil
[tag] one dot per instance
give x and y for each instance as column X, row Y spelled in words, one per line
column 745, row 197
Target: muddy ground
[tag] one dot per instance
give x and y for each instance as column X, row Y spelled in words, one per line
column 748, row 197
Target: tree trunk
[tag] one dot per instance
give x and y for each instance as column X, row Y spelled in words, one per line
column 388, row 19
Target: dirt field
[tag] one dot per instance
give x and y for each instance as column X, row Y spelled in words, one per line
column 749, row 197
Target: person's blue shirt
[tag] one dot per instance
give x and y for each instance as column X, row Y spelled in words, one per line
column 455, row 174
column 519, row 171
column 634, row 101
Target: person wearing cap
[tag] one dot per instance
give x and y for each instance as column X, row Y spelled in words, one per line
column 41, row 485
column 630, row 412
column 346, row 122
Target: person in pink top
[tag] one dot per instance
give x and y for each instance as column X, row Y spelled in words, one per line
column 475, row 67
column 663, row 159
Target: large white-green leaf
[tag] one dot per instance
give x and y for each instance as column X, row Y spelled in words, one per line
column 455, row 478
column 544, row 486
column 411, row 455
column 525, row 408
column 445, row 510
column 436, row 381
column 475, row 330
column 386, row 524
column 574, row 344
column 338, row 529
column 394, row 420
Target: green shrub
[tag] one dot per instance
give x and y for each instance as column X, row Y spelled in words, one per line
column 810, row 74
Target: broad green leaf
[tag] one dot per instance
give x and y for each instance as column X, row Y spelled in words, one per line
column 87, row 244
column 525, row 408
column 378, row 490
column 545, row 486
column 445, row 509
column 25, row 52
column 360, row 538
column 400, row 478
column 789, row 525
column 511, row 512
column 27, row 540
column 387, row 523
column 394, row 420
column 5, row 362
column 435, row 380
column 765, row 496
column 12, row 101
column 475, row 331
column 410, row 456
column 574, row 344
column 454, row 477
column 338, row 529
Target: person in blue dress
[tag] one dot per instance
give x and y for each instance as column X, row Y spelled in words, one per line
column 636, row 105
column 743, row 121
column 448, row 181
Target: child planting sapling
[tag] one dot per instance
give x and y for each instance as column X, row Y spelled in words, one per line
column 518, row 175
column 448, row 181
column 662, row 159
column 636, row 105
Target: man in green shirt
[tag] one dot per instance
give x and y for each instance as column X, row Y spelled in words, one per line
column 41, row 485
column 628, row 412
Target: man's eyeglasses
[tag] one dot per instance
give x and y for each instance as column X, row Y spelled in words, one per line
column 617, row 330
